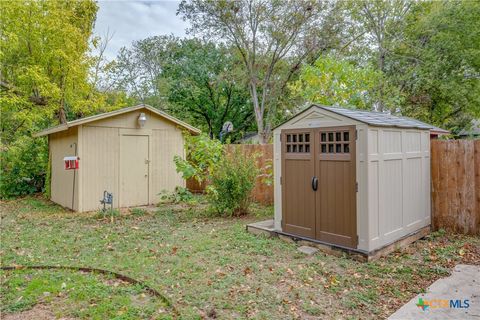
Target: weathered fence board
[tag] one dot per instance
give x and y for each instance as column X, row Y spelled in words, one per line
column 456, row 185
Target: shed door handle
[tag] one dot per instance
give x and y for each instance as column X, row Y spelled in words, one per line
column 314, row 183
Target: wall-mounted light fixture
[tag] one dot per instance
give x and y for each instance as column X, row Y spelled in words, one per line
column 142, row 119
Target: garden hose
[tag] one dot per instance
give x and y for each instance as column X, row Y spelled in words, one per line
column 117, row 275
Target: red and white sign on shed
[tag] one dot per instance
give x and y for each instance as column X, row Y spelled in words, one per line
column 71, row 163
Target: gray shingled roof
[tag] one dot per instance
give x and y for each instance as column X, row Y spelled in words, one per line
column 379, row 118
column 473, row 131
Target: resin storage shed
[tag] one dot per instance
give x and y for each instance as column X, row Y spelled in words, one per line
column 128, row 153
column 353, row 179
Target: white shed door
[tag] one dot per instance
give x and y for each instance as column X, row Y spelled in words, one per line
column 133, row 170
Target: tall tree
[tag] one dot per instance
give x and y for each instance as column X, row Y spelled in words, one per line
column 380, row 25
column 195, row 80
column 44, row 79
column 265, row 34
column 202, row 85
column 138, row 69
column 437, row 66
column 44, row 60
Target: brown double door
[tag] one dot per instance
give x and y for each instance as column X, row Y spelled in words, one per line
column 319, row 184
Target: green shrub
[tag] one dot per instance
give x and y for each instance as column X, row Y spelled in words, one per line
column 231, row 184
column 180, row 194
column 230, row 178
column 23, row 166
column 202, row 157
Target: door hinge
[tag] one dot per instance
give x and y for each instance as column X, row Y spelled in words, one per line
column 356, row 186
column 280, row 137
column 280, row 180
column 356, row 134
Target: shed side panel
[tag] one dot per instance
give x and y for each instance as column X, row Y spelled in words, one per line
column 362, row 194
column 99, row 165
column 61, row 145
column 166, row 143
column 398, row 183
column 277, row 173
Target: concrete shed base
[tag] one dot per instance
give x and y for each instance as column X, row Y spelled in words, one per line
column 266, row 228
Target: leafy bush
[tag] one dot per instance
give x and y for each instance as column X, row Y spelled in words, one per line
column 202, row 157
column 230, row 178
column 266, row 173
column 23, row 166
column 232, row 183
column 180, row 194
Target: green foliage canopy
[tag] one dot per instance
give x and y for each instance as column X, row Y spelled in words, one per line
column 203, row 86
column 335, row 81
column 194, row 80
column 438, row 65
column 44, row 62
column 272, row 39
column 44, row 80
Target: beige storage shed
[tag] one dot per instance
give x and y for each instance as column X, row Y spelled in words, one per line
column 354, row 179
column 127, row 152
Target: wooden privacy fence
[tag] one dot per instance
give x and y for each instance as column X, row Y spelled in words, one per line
column 262, row 192
column 456, row 185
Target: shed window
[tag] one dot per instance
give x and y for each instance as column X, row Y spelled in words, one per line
column 298, row 143
column 335, row 142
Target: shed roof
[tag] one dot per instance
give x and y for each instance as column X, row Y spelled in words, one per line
column 375, row 118
column 433, row 130
column 474, row 129
column 379, row 118
column 69, row 124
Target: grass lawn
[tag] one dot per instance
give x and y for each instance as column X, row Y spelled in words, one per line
column 206, row 267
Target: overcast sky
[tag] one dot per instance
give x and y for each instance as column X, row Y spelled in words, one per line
column 130, row 20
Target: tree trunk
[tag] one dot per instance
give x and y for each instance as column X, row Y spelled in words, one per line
column 381, row 65
column 62, row 117
column 258, row 114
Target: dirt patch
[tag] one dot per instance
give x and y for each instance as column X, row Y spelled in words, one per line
column 140, row 300
column 38, row 312
column 115, row 282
